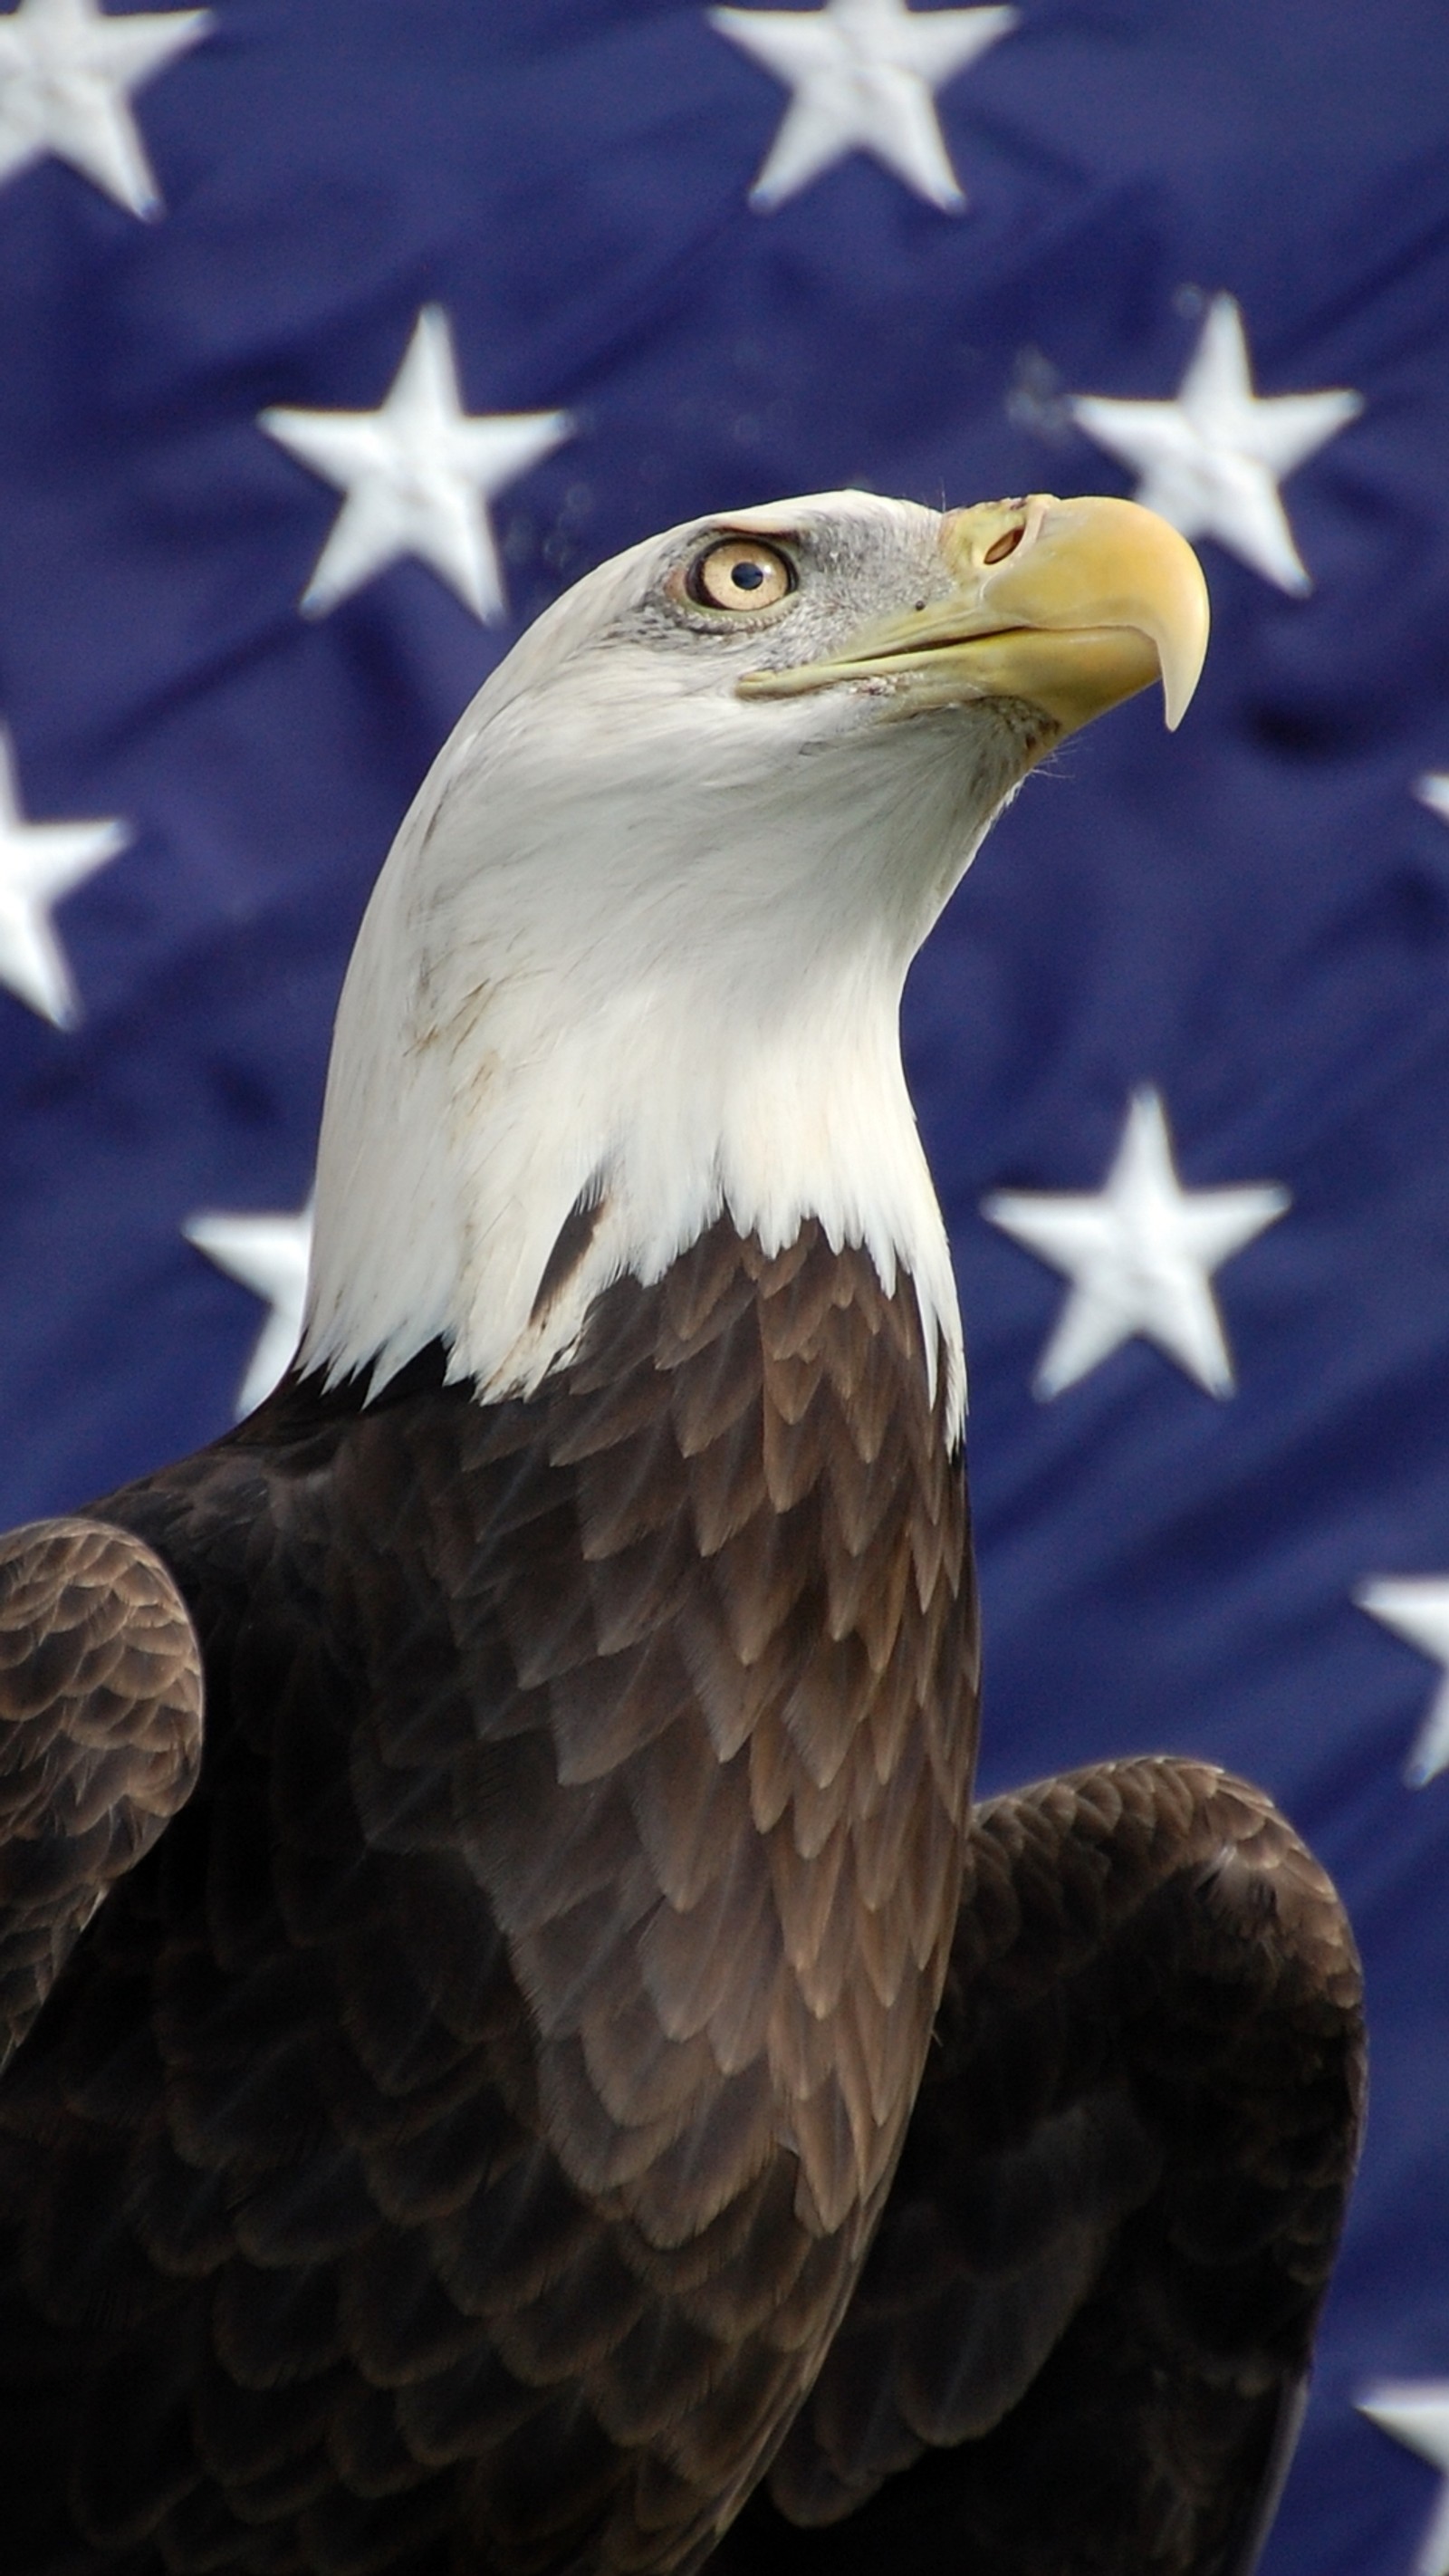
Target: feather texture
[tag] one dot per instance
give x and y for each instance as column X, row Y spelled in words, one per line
column 1082, row 2329
column 462, row 2132
column 100, row 1737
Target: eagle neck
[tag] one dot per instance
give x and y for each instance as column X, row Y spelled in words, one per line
column 490, row 1165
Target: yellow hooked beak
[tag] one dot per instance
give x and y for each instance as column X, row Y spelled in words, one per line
column 1071, row 605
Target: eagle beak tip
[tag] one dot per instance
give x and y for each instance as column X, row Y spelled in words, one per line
column 1182, row 646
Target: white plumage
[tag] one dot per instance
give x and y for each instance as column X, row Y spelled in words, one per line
column 578, row 1013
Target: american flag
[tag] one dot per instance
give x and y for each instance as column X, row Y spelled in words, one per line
column 340, row 335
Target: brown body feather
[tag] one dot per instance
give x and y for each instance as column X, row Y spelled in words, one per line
column 454, row 2146
column 100, row 1738
column 1080, row 2341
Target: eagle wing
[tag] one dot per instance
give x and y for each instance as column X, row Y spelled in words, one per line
column 1083, row 2332
column 100, row 1737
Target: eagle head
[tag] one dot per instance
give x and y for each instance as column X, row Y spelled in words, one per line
column 636, row 957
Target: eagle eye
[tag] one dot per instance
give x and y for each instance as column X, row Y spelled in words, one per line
column 740, row 573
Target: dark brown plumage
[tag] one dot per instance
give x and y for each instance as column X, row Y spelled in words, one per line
column 1080, row 2342
column 100, row 1737
column 455, row 2142
column 461, row 2134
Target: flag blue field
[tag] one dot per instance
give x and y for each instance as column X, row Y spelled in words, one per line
column 339, row 336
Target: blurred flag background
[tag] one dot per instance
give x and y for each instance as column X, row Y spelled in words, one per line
column 339, row 336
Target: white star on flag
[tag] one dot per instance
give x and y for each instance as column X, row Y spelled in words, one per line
column 1416, row 2413
column 864, row 74
column 66, row 77
column 1433, row 790
column 418, row 473
column 1212, row 460
column 1416, row 1608
column 40, row 862
column 269, row 1255
column 1140, row 1254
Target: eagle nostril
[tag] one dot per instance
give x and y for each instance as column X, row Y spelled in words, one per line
column 1004, row 546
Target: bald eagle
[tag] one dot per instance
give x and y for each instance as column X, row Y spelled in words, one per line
column 520, row 2051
